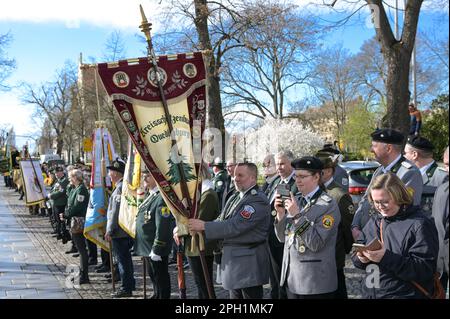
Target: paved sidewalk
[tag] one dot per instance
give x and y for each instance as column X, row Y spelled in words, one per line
column 24, row 273
column 33, row 263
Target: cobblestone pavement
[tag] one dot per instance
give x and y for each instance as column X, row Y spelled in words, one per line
column 33, row 264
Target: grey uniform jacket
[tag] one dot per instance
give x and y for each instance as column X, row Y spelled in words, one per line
column 309, row 259
column 112, row 225
column 408, row 173
column 432, row 178
column 440, row 215
column 245, row 256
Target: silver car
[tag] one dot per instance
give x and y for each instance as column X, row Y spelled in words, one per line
column 359, row 176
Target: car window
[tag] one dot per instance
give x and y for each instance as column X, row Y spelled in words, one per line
column 362, row 176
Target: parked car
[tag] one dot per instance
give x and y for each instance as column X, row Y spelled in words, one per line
column 359, row 176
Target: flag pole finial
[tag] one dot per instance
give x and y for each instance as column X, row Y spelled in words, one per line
column 145, row 26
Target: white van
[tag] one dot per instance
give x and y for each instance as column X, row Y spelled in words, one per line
column 49, row 157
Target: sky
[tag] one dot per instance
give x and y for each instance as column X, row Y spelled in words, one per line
column 46, row 33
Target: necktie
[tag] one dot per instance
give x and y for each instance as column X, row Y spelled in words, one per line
column 303, row 202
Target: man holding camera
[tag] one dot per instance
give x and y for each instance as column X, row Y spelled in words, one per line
column 347, row 209
column 308, row 227
column 285, row 183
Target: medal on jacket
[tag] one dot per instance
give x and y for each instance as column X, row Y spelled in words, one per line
column 147, row 217
column 301, row 247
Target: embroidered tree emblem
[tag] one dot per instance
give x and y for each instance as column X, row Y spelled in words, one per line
column 174, row 173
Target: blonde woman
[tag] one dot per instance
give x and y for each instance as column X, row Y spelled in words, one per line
column 409, row 244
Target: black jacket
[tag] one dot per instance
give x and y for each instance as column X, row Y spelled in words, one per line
column 411, row 243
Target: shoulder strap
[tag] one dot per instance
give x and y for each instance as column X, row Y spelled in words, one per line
column 431, row 170
column 422, row 290
column 397, row 165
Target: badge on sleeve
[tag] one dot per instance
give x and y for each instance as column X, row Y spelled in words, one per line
column 219, row 183
column 345, row 181
column 247, row 212
column 351, row 209
column 165, row 212
column 327, row 221
column 80, row 198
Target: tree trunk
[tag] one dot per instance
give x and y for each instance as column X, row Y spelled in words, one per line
column 397, row 91
column 59, row 144
column 397, row 55
column 214, row 116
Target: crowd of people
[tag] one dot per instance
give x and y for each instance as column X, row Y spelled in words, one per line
column 293, row 231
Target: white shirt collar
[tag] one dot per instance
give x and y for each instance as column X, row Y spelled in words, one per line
column 154, row 190
column 310, row 195
column 388, row 168
column 423, row 170
column 326, row 184
column 286, row 180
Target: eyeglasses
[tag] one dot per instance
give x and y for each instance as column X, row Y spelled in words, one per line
column 383, row 204
column 302, row 177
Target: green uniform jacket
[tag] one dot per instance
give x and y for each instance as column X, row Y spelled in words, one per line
column 69, row 189
column 154, row 225
column 208, row 211
column 220, row 182
column 58, row 194
column 77, row 202
column 344, row 239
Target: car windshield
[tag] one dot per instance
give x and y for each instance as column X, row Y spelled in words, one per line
column 362, row 176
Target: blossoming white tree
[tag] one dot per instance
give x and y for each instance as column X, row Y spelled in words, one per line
column 286, row 134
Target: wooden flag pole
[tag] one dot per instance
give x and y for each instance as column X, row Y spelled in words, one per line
column 146, row 28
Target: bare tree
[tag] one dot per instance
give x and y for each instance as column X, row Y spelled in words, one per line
column 433, row 46
column 7, row 65
column 53, row 101
column 334, row 82
column 274, row 61
column 219, row 26
column 397, row 55
column 371, row 71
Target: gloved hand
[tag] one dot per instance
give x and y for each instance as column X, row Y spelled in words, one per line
column 155, row 257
